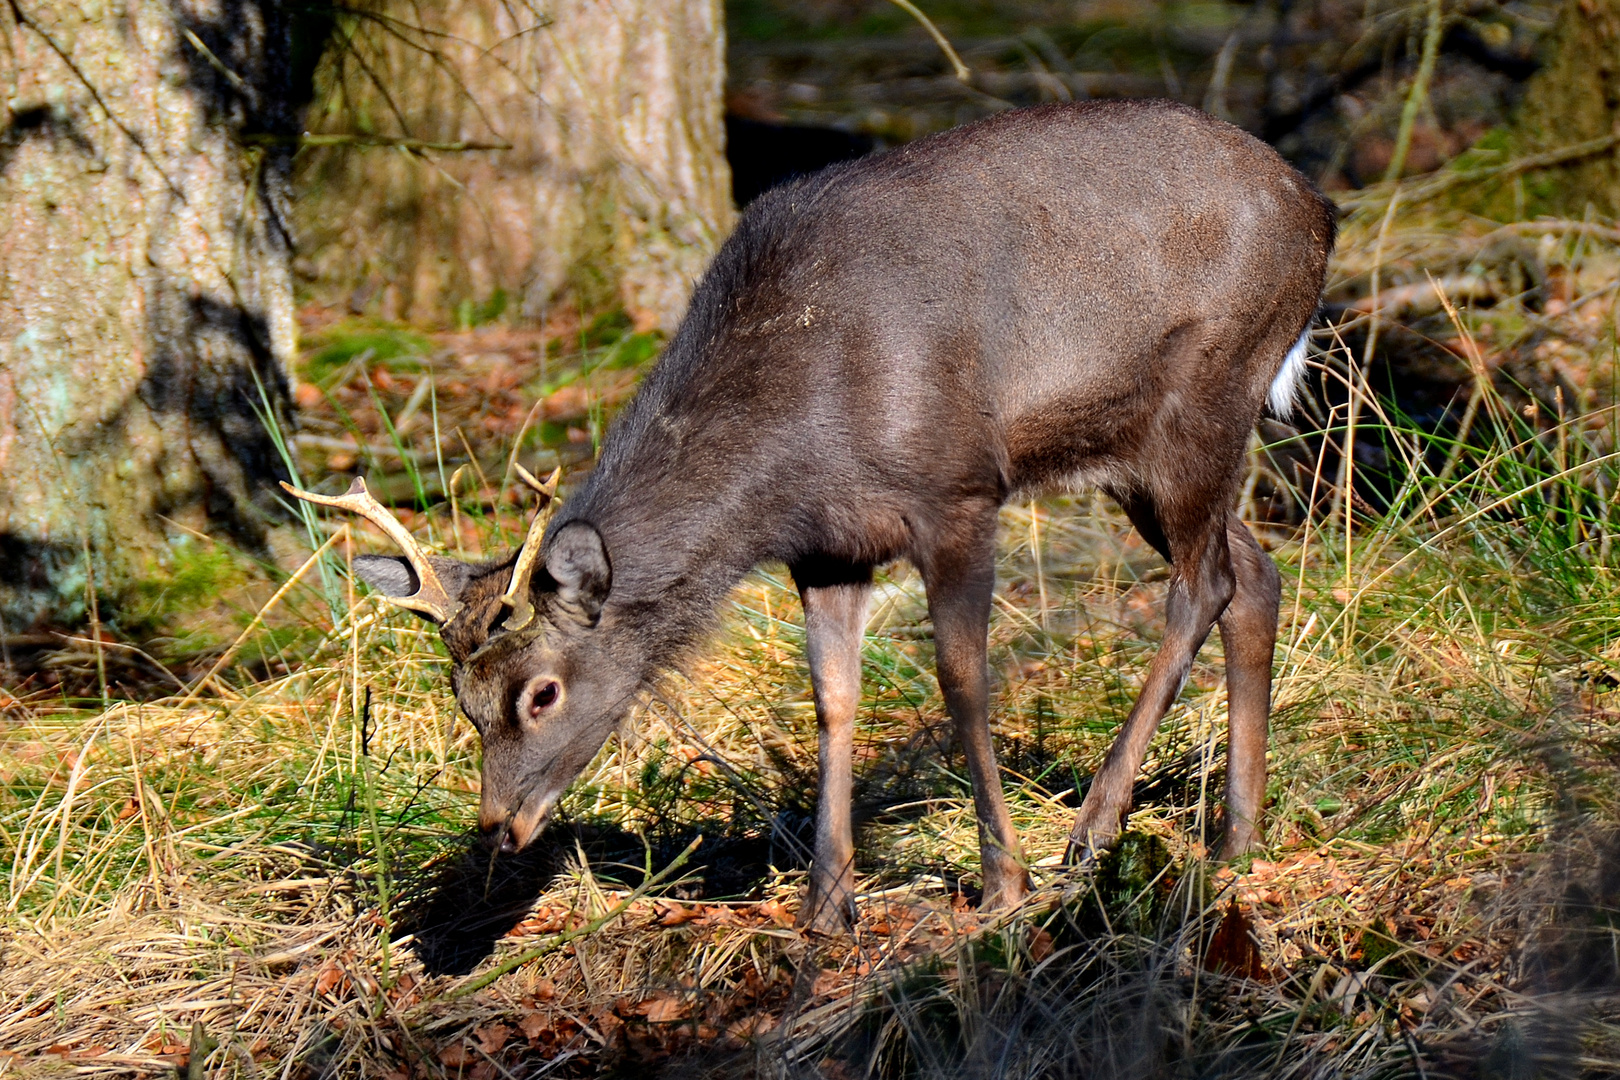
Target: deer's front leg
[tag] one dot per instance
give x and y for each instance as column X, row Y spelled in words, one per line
column 961, row 582
column 834, row 622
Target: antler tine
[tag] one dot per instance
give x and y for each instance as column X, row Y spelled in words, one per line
column 547, row 490
column 431, row 598
column 516, row 596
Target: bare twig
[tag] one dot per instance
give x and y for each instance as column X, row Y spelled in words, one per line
column 355, row 139
column 215, row 62
column 1417, row 94
column 963, row 73
column 28, row 21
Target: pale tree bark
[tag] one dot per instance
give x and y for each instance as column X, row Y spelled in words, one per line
column 145, row 296
column 1576, row 98
column 614, row 191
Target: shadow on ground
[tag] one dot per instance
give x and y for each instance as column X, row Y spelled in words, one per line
column 457, row 908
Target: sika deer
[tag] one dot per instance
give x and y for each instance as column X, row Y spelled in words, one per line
column 880, row 356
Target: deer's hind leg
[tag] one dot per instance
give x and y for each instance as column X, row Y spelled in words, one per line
column 1202, row 582
column 1249, row 637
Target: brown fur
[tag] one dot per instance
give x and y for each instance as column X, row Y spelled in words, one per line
column 879, row 357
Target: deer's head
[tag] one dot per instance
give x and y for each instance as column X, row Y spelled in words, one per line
column 530, row 665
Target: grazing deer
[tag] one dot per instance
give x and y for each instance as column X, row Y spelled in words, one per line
column 880, row 356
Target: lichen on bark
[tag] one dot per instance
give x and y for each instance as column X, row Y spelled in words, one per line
column 146, row 320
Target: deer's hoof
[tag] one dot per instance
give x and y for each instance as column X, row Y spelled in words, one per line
column 825, row 917
column 1081, row 856
column 1087, row 849
column 1005, row 895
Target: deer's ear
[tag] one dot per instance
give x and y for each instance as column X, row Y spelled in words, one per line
column 393, row 576
column 577, row 561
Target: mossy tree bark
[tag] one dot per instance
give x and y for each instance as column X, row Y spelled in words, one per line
column 1575, row 98
column 614, row 191
column 145, row 298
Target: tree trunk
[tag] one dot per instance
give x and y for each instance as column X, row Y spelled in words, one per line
column 145, row 300
column 614, row 191
column 1576, row 97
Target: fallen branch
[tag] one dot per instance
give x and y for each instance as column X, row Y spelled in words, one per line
column 1442, row 181
column 1423, row 297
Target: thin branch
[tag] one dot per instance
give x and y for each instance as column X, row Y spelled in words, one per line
column 962, row 71
column 28, row 21
column 390, row 20
column 395, row 141
column 351, row 48
column 552, row 944
column 442, row 64
column 215, row 62
column 1443, row 181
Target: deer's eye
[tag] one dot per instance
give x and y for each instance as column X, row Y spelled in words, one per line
column 541, row 694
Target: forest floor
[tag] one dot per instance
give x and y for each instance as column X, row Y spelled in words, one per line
column 271, row 869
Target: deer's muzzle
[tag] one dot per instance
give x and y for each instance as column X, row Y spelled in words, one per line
column 511, row 830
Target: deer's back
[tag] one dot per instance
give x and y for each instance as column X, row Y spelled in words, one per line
column 1007, row 305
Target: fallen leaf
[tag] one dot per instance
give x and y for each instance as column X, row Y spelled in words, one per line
column 606, row 1023
column 458, row 1056
column 1232, row 950
column 492, row 1037
column 534, row 1025
column 1040, row 944
column 662, row 1009
column 545, row 989
column 677, row 914
column 775, row 912
column 328, row 978
column 751, row 1026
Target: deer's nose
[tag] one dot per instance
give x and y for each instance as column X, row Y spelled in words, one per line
column 495, row 823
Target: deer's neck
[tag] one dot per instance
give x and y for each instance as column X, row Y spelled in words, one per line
column 682, row 526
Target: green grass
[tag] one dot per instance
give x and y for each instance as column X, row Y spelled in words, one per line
column 1442, row 690
column 394, row 347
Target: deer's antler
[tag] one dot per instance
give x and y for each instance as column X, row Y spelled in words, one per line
column 516, row 596
column 430, row 598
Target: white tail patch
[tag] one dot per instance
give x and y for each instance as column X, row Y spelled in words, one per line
column 1285, row 387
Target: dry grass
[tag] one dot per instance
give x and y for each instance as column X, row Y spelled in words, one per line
column 277, row 880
